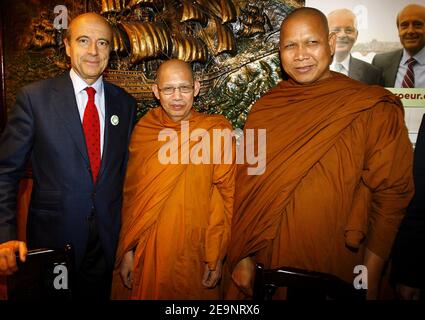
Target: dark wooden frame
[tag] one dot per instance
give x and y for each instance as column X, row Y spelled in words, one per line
column 3, row 107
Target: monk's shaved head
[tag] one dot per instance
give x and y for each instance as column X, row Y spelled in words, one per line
column 175, row 89
column 306, row 47
column 88, row 17
column 307, row 13
column 172, row 66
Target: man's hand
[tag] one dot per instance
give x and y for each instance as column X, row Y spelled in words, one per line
column 243, row 275
column 211, row 277
column 408, row 293
column 8, row 256
column 126, row 269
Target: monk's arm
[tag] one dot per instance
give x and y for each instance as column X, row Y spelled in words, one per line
column 243, row 275
column 221, row 209
column 388, row 174
column 226, row 188
column 126, row 269
column 374, row 265
column 211, row 277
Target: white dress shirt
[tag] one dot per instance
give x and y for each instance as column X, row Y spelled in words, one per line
column 82, row 98
column 345, row 64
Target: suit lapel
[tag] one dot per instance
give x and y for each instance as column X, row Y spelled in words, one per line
column 112, row 108
column 393, row 67
column 66, row 106
column 355, row 70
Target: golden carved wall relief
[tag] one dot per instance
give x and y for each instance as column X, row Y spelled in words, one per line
column 231, row 44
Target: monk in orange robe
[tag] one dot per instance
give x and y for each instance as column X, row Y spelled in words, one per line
column 338, row 176
column 178, row 197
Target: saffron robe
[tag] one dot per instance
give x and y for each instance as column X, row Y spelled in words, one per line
column 338, row 178
column 175, row 216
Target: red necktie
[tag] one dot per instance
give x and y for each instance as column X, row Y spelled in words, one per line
column 409, row 77
column 91, row 127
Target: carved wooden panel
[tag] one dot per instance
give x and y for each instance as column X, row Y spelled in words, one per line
column 231, row 44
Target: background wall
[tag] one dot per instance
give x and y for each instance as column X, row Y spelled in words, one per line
column 236, row 60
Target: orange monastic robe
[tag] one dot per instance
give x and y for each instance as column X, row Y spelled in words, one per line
column 175, row 216
column 338, row 178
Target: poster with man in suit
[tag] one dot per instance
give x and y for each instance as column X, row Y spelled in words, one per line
column 392, row 38
column 386, row 32
column 343, row 23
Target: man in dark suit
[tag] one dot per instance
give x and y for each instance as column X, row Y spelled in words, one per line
column 395, row 64
column 343, row 23
column 75, row 130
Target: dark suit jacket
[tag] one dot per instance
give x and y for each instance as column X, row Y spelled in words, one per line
column 364, row 72
column 408, row 261
column 45, row 126
column 388, row 63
